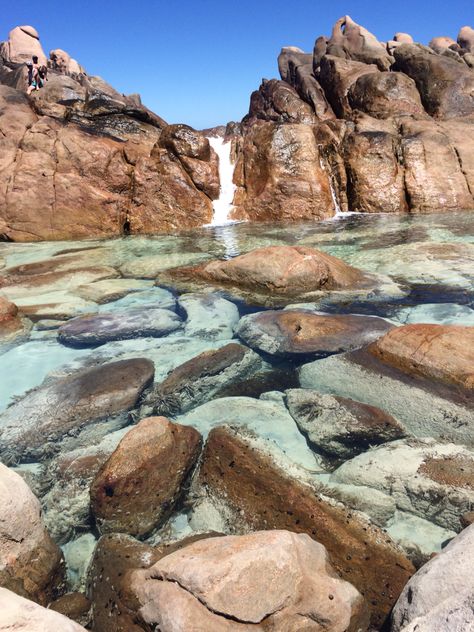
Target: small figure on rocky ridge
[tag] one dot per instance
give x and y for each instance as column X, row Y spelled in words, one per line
column 37, row 75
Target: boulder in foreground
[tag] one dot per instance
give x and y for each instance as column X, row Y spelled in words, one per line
column 266, row 580
column 31, row 564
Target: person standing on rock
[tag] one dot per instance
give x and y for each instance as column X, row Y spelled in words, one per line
column 33, row 75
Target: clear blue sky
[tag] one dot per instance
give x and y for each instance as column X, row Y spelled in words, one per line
column 197, row 62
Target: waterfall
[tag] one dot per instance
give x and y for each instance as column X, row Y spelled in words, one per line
column 223, row 205
column 337, row 209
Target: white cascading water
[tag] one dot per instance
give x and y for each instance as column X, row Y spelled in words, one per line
column 223, row 205
column 337, row 209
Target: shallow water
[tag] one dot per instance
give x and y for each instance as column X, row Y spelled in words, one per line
column 429, row 257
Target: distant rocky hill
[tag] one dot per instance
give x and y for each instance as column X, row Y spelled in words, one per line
column 356, row 125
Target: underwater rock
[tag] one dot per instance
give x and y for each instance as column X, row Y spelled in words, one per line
column 243, row 475
column 439, row 596
column 90, row 331
column 429, row 479
column 12, row 326
column 208, row 316
column 443, row 353
column 293, row 332
column 339, row 426
column 23, row 615
column 201, row 379
column 216, row 584
column 109, row 290
column 139, row 484
column 30, row 427
column 149, row 266
column 31, row 564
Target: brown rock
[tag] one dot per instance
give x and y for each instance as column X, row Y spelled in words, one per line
column 428, row 157
column 440, row 44
column 466, row 39
column 22, row 615
column 265, row 580
column 75, row 606
column 278, row 101
column 337, row 76
column 385, row 94
column 467, row 519
column 53, row 410
column 293, row 332
column 12, row 325
column 444, row 353
column 375, row 177
column 283, row 270
column 444, row 84
column 263, row 496
column 62, row 62
column 284, row 179
column 138, row 486
column 31, row 564
column 23, row 42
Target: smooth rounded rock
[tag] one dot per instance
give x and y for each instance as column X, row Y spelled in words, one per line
column 90, row 331
column 293, row 332
column 137, row 487
column 216, row 584
column 31, row 564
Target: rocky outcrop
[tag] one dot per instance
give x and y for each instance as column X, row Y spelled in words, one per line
column 71, row 403
column 439, row 596
column 216, row 584
column 23, row 615
column 31, row 564
column 138, row 486
column 243, row 475
column 22, row 44
column 292, row 332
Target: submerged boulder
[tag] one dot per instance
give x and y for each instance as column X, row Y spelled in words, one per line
column 31, row 564
column 32, row 426
column 292, row 332
column 216, row 584
column 139, row 484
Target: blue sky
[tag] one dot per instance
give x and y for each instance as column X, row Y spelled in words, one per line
column 197, row 62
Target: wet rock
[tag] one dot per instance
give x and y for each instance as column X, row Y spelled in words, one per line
column 138, row 486
column 78, row 554
column 29, row 427
column 245, row 477
column 209, row 316
column 281, row 176
column 12, row 326
column 149, row 267
column 426, row 408
column 23, row 42
column 31, row 564
column 216, row 584
column 110, row 289
column 73, row 605
column 90, row 331
column 383, row 95
column 196, row 155
column 376, row 178
column 339, row 426
column 443, row 353
column 17, row 613
column 444, row 84
column 429, row 479
column 438, row 596
column 202, row 378
column 293, row 332
column 277, row 101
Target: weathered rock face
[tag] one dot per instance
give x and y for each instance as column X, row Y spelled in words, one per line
column 31, row 564
column 23, row 42
column 278, row 101
column 12, row 326
column 440, row 593
column 443, row 353
column 293, row 332
column 263, row 496
column 51, row 411
column 63, row 62
column 338, row 426
column 281, row 175
column 216, row 584
column 17, row 613
column 385, row 94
